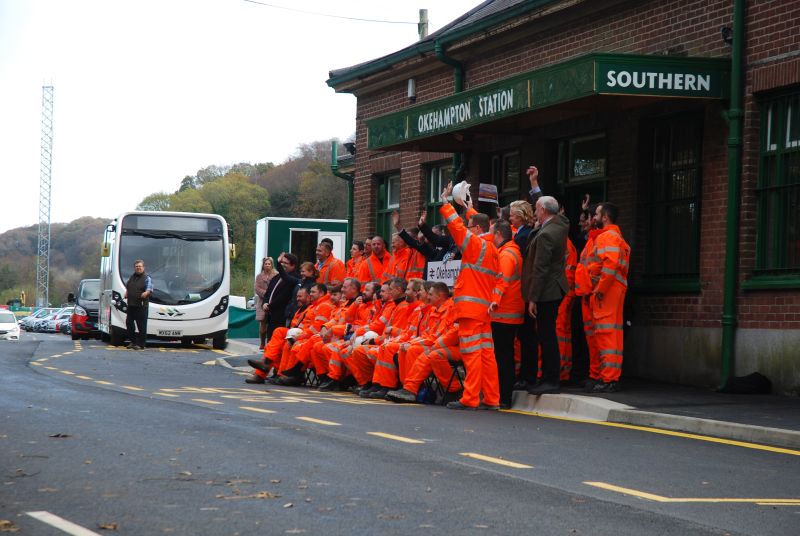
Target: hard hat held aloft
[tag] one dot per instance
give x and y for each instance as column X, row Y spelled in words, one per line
column 461, row 193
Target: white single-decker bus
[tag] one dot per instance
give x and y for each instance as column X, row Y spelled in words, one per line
column 187, row 256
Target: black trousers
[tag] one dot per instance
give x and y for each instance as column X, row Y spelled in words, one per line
column 137, row 318
column 503, row 336
column 529, row 350
column 274, row 321
column 580, row 349
column 546, row 314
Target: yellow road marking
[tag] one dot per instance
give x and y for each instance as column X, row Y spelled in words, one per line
column 57, row 355
column 132, row 388
column 673, row 433
column 166, row 394
column 51, row 368
column 67, row 353
column 662, row 499
column 43, row 359
column 396, row 438
column 318, row 421
column 300, row 399
column 101, row 382
column 35, row 364
column 498, row 461
column 68, row 373
column 84, row 377
column 257, row 410
column 212, row 362
column 204, row 401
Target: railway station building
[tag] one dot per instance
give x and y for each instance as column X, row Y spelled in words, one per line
column 684, row 113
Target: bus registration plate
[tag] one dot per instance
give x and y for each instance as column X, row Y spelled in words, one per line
column 169, row 333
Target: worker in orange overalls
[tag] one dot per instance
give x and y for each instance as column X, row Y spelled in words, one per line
column 362, row 360
column 375, row 265
column 382, row 312
column 428, row 353
column 610, row 272
column 564, row 318
column 584, row 285
column 356, row 257
column 472, row 295
column 329, row 350
column 343, row 314
column 331, row 270
column 401, row 259
column 319, row 312
column 274, row 347
column 386, row 373
column 507, row 309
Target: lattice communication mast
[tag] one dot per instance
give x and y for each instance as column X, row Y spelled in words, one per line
column 45, row 175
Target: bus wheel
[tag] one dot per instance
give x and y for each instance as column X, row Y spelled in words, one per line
column 117, row 336
column 220, row 342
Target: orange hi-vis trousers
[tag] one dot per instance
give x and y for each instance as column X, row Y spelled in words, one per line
column 386, row 373
column 477, row 352
column 337, row 354
column 362, row 362
column 608, row 326
column 591, row 341
column 297, row 353
column 273, row 351
column 407, row 358
column 437, row 362
column 320, row 358
column 564, row 335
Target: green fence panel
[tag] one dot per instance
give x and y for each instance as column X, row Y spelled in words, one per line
column 242, row 323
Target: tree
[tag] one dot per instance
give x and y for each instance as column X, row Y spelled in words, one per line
column 210, row 174
column 189, row 181
column 189, row 200
column 321, row 194
column 156, row 201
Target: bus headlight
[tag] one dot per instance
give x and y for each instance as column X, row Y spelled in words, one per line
column 220, row 308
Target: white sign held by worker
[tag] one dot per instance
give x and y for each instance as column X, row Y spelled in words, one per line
column 444, row 271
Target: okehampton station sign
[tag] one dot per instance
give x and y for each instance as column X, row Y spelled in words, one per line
column 594, row 74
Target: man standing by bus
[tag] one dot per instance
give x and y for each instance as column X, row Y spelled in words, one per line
column 137, row 292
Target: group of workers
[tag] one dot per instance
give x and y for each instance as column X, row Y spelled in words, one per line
column 376, row 327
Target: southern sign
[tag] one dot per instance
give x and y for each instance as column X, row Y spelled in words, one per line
column 593, row 74
column 444, row 271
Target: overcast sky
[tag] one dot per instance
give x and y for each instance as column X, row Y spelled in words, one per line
column 150, row 91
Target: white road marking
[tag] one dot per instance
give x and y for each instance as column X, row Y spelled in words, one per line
column 62, row 524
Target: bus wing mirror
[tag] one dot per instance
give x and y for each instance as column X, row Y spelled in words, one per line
column 105, row 251
column 233, row 251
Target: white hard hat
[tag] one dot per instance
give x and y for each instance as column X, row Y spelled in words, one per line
column 461, row 193
column 293, row 333
column 370, row 335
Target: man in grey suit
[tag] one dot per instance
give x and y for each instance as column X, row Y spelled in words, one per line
column 544, row 285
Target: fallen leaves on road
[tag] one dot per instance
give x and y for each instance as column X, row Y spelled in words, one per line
column 8, row 526
column 288, row 505
column 391, row 516
column 60, row 435
column 259, row 495
column 295, row 531
column 276, row 481
column 108, row 526
column 46, row 490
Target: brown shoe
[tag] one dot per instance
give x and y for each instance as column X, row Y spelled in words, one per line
column 254, row 379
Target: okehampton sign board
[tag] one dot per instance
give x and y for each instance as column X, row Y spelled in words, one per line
column 594, row 74
column 444, row 271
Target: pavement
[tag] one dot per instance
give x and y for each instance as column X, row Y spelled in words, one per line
column 766, row 419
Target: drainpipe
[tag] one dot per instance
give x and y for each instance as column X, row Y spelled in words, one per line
column 349, row 178
column 735, row 116
column 458, row 87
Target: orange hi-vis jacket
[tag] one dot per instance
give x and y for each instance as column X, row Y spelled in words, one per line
column 507, row 290
column 571, row 265
column 397, row 320
column 583, row 279
column 416, row 268
column 380, row 318
column 475, row 283
column 439, row 320
column 613, row 260
column 331, row 272
column 400, row 265
column 372, row 268
column 317, row 314
column 351, row 266
column 417, row 322
column 339, row 315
